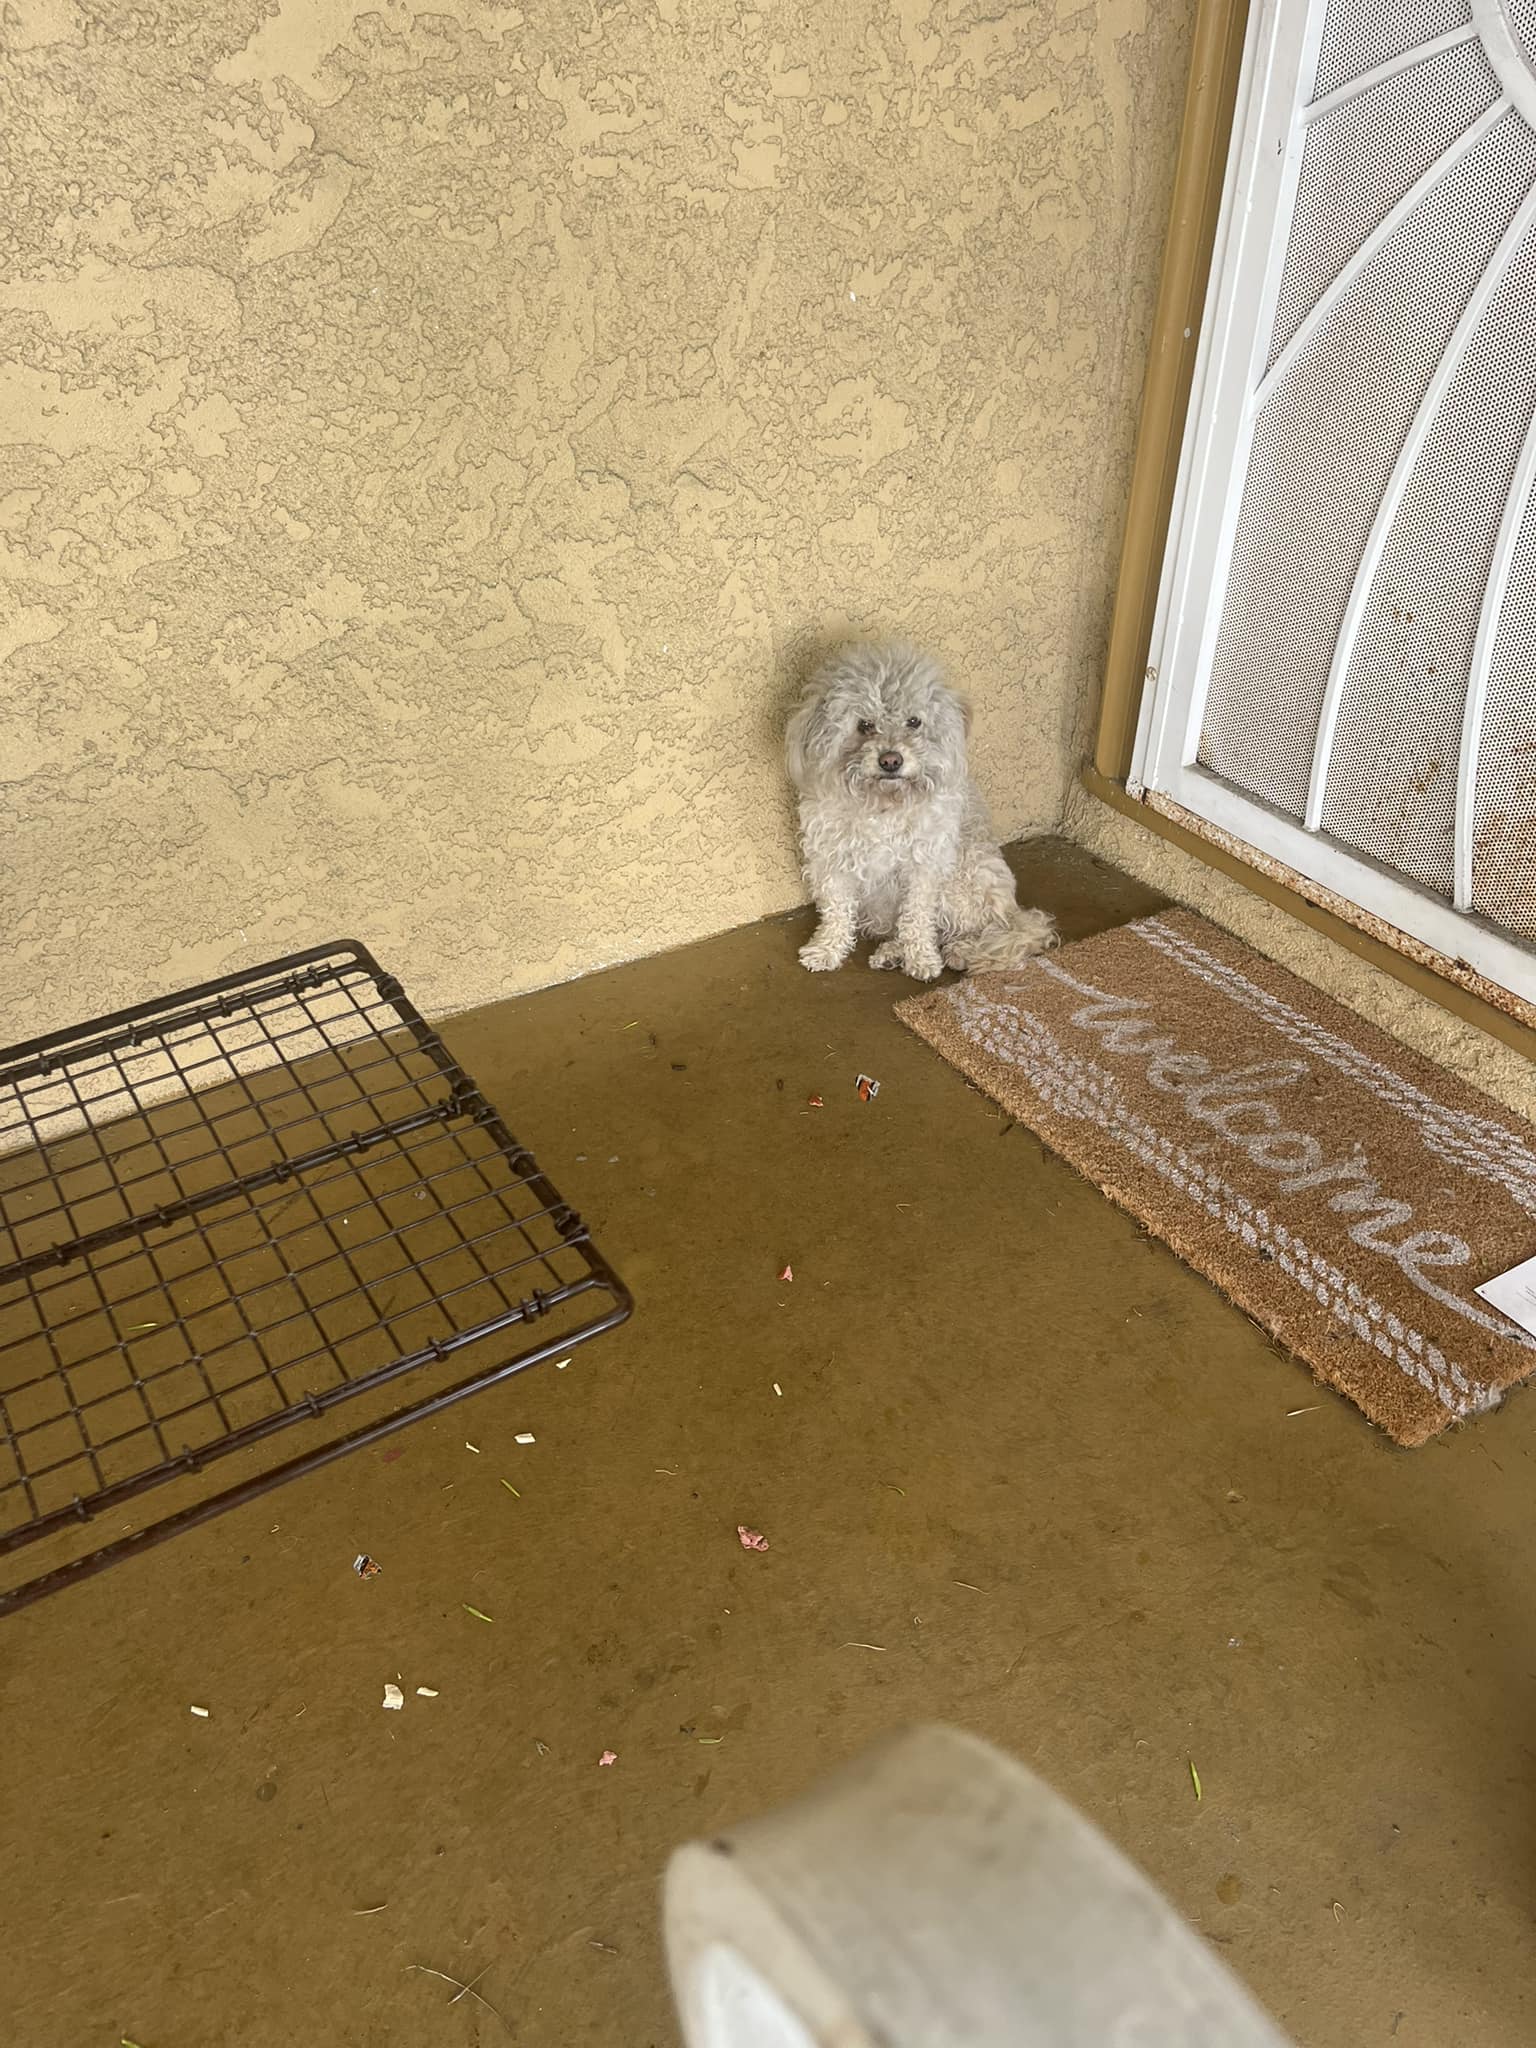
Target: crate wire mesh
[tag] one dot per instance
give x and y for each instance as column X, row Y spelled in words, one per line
column 229, row 1212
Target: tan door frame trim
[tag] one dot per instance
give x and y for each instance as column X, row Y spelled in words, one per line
column 1216, row 57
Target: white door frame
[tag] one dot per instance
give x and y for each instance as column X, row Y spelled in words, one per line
column 1263, row 168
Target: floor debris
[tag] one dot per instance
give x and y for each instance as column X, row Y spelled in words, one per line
column 474, row 1611
column 426, row 1692
column 788, row 1273
column 561, row 1364
column 750, row 1539
column 815, row 1102
column 394, row 1698
column 365, row 1566
column 1194, row 1779
column 868, row 1087
column 201, row 1712
column 511, row 1489
column 471, row 1447
column 524, row 1436
column 609, row 1756
column 778, row 1390
column 461, row 1989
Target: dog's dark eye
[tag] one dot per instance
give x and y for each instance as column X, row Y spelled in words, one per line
column 866, row 725
column 913, row 724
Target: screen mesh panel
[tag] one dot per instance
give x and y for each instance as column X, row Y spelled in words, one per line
column 1504, row 843
column 1326, row 444
column 1367, row 154
column 1365, row 662
column 1392, row 777
column 1358, row 38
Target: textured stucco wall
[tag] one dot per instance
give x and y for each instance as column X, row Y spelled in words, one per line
column 429, row 438
column 1486, row 1062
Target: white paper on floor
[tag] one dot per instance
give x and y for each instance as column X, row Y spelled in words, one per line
column 1514, row 1294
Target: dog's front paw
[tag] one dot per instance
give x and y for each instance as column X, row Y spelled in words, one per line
column 922, row 963
column 822, row 955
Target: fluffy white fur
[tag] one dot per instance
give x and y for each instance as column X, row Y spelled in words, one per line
column 894, row 836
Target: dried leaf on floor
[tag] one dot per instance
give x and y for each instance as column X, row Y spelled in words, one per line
column 750, row 1539
column 868, row 1087
column 1194, row 1779
column 365, row 1566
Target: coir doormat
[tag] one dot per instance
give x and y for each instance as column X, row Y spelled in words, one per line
column 1346, row 1193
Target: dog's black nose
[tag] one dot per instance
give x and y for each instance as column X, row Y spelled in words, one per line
column 890, row 764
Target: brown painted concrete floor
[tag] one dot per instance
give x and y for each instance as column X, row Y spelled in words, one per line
column 988, row 1376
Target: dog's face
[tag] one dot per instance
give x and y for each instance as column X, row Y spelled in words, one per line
column 883, row 723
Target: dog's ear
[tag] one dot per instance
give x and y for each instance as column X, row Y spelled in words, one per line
column 797, row 738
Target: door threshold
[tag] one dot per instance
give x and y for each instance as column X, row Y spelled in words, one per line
column 1453, row 984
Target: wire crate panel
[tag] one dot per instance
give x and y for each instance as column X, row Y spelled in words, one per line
column 227, row 1214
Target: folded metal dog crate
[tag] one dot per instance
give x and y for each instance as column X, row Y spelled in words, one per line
column 273, row 1207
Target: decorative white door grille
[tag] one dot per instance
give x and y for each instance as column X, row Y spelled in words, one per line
column 1343, row 669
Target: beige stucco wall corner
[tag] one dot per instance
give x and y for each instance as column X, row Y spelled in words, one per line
column 426, row 435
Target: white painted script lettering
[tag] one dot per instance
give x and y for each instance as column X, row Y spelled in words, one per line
column 1237, row 1106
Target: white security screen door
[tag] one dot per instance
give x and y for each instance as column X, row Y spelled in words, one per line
column 1343, row 669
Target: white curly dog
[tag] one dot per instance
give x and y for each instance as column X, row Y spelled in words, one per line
column 894, row 835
